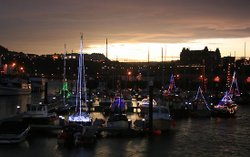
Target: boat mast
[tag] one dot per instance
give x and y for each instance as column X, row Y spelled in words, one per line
column 163, row 69
column 83, row 75
column 80, row 74
column 234, row 82
column 107, row 48
column 245, row 50
column 64, row 75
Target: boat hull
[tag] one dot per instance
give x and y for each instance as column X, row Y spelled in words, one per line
column 75, row 135
column 118, row 121
column 118, row 124
column 223, row 113
column 12, row 132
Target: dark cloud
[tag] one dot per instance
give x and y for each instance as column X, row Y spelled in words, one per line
column 51, row 23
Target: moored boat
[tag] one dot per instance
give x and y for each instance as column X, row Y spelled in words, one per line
column 80, row 116
column 225, row 108
column 118, row 121
column 78, row 131
column 76, row 135
column 161, row 117
column 199, row 106
column 118, row 117
column 38, row 114
column 13, row 131
column 175, row 100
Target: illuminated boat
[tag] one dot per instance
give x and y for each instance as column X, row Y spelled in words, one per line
column 78, row 132
column 80, row 116
column 13, row 131
column 174, row 98
column 200, row 107
column 65, row 106
column 226, row 107
column 118, row 118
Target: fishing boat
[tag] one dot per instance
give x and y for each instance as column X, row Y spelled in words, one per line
column 226, row 107
column 200, row 107
column 14, row 86
column 13, row 131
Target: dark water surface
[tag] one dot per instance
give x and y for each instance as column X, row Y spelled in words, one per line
column 208, row 137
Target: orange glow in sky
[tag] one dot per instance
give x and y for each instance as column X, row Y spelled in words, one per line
column 133, row 27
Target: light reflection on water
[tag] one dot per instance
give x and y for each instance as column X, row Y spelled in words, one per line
column 192, row 137
column 209, row 137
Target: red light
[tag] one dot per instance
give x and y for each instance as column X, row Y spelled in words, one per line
column 13, row 64
column 248, row 79
column 217, row 79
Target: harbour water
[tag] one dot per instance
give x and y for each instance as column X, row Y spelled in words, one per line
column 209, row 137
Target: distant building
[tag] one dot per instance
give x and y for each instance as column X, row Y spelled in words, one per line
column 198, row 65
column 200, row 57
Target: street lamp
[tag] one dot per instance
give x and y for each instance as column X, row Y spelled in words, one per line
column 128, row 77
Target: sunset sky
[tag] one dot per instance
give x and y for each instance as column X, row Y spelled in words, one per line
column 133, row 27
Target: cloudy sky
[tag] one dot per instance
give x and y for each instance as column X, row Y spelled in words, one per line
column 133, row 27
